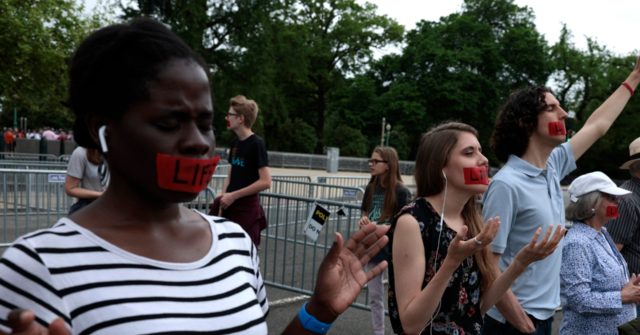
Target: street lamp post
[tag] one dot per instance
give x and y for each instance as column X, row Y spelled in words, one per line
column 15, row 110
column 382, row 134
column 388, row 134
column 23, row 123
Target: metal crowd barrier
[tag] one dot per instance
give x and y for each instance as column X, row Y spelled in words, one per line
column 305, row 179
column 352, row 181
column 216, row 183
column 33, row 165
column 20, row 156
column 35, row 199
column 289, row 260
column 31, row 200
column 299, row 186
column 223, row 169
column 317, row 191
column 202, row 201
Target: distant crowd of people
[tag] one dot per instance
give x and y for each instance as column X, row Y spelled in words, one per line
column 11, row 135
column 48, row 133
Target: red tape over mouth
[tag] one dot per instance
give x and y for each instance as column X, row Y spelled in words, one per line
column 612, row 212
column 183, row 174
column 476, row 175
column 557, row 128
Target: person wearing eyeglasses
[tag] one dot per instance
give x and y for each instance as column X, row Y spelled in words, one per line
column 597, row 292
column 384, row 196
column 249, row 173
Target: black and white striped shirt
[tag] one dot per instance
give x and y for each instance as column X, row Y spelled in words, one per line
column 97, row 288
column 625, row 229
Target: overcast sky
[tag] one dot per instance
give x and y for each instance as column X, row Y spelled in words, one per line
column 613, row 23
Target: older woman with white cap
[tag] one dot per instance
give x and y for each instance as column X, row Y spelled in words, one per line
column 597, row 292
column 625, row 230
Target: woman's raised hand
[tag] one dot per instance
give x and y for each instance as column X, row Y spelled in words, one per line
column 461, row 248
column 537, row 250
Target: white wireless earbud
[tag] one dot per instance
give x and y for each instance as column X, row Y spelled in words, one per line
column 102, row 138
column 443, row 201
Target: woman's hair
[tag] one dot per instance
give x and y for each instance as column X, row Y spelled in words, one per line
column 94, row 156
column 433, row 152
column 111, row 70
column 432, row 156
column 245, row 107
column 388, row 181
column 583, row 209
column 517, row 120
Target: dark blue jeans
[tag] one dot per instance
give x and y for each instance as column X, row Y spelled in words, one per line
column 494, row 327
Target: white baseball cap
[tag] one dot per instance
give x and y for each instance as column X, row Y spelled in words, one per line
column 594, row 181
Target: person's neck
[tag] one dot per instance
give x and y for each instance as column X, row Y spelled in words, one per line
column 595, row 223
column 382, row 180
column 453, row 204
column 537, row 153
column 243, row 133
column 141, row 209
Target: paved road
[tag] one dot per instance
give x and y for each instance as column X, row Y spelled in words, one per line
column 285, row 306
column 353, row 322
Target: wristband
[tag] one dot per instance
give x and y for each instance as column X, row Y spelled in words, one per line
column 628, row 87
column 310, row 323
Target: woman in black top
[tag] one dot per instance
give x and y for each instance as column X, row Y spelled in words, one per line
column 440, row 278
column 384, row 196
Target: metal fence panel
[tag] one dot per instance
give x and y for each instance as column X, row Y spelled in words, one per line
column 352, row 181
column 20, row 156
column 317, row 191
column 305, row 179
column 35, row 199
column 33, row 165
column 31, row 200
column 289, row 260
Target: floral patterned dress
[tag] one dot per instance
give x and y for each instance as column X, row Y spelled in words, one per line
column 459, row 311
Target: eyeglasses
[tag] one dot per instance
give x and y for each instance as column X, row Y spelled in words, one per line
column 232, row 114
column 375, row 161
column 610, row 197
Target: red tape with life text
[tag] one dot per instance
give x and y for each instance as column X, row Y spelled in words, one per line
column 476, row 175
column 184, row 174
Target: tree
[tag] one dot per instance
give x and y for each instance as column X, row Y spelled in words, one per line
column 288, row 55
column 42, row 36
column 459, row 68
column 340, row 36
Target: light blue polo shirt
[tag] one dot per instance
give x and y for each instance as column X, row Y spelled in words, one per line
column 526, row 197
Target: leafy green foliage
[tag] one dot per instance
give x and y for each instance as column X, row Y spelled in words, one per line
column 309, row 64
column 38, row 38
column 295, row 136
